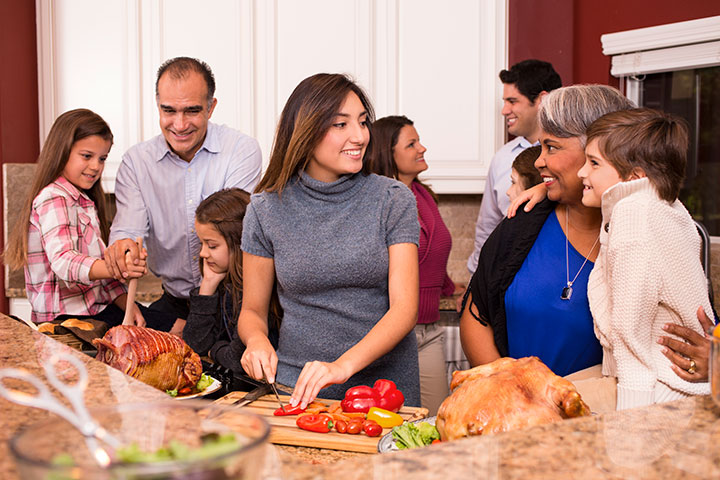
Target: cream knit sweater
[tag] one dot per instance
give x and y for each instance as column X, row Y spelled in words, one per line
column 647, row 273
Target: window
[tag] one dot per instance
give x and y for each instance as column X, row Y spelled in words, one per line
column 676, row 68
column 695, row 96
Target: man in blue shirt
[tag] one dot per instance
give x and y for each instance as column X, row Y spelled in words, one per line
column 524, row 86
column 161, row 181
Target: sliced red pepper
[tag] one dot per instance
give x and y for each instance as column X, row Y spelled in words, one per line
column 289, row 410
column 315, row 423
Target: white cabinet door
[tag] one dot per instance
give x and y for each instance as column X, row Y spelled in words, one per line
column 436, row 62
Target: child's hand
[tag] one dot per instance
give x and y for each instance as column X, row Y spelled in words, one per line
column 532, row 196
column 120, row 256
column 136, row 318
column 210, row 280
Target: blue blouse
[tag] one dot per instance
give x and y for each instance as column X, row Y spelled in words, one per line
column 540, row 323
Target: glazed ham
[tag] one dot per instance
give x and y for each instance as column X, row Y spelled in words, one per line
column 504, row 395
column 156, row 358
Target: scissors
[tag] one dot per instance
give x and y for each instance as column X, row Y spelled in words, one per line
column 78, row 416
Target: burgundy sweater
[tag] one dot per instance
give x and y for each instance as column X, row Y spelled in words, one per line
column 433, row 253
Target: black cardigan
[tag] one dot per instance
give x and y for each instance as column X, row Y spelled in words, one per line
column 501, row 257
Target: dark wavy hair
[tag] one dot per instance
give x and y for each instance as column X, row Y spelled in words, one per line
column 531, row 77
column 386, row 131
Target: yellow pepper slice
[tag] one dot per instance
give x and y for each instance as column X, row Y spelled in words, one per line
column 384, row 418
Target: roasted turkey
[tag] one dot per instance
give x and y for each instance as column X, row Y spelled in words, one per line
column 157, row 358
column 504, row 395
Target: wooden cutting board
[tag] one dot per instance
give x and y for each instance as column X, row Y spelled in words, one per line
column 283, row 430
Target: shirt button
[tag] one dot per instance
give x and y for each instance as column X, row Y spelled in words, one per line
column 607, row 227
column 189, row 202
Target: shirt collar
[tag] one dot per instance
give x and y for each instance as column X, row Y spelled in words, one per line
column 211, row 143
column 71, row 189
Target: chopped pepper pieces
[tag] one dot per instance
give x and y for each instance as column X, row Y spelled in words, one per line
column 288, row 410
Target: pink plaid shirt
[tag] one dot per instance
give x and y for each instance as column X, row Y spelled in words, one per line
column 64, row 241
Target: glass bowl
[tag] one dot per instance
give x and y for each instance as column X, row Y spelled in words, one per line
column 151, row 426
column 715, row 368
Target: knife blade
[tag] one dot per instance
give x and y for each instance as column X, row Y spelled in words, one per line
column 274, row 389
column 253, row 395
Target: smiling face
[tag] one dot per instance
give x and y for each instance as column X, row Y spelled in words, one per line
column 521, row 115
column 409, row 155
column 558, row 164
column 184, row 112
column 86, row 161
column 342, row 148
column 597, row 175
column 214, row 249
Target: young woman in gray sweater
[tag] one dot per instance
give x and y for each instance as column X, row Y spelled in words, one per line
column 342, row 246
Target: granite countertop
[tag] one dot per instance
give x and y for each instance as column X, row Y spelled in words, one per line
column 667, row 441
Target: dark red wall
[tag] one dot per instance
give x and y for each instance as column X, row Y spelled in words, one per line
column 567, row 32
column 18, row 94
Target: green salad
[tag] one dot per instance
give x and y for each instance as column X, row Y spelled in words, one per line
column 411, row 435
column 201, row 385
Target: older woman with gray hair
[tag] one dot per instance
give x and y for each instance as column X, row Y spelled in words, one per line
column 528, row 295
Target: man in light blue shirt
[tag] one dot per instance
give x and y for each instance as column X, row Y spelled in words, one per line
column 161, row 181
column 524, row 86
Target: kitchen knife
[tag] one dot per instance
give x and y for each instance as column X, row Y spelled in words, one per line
column 253, row 395
column 274, row 389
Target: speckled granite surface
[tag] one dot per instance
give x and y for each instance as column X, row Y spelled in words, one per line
column 668, row 441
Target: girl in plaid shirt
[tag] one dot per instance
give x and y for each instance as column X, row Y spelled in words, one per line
column 62, row 230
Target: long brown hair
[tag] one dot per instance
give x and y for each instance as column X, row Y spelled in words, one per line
column 68, row 128
column 386, row 131
column 306, row 118
column 225, row 211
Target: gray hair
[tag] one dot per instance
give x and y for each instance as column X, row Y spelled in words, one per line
column 568, row 112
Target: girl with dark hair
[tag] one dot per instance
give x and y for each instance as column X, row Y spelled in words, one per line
column 211, row 327
column 342, row 246
column 62, row 230
column 399, row 154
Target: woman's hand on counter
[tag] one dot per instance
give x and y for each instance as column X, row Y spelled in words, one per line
column 693, row 346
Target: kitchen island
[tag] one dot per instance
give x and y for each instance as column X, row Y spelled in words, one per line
column 674, row 440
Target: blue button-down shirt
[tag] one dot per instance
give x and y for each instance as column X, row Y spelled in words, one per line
column 157, row 193
column 495, row 201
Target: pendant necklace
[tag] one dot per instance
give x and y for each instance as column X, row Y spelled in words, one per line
column 567, row 290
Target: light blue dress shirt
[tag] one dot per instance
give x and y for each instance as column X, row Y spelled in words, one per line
column 495, row 201
column 157, row 193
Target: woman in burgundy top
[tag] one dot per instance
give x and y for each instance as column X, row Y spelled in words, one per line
column 399, row 154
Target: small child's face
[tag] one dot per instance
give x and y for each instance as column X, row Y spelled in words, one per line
column 517, row 186
column 214, row 250
column 597, row 175
column 86, row 161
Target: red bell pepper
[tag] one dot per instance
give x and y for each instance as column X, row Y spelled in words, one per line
column 315, row 423
column 288, row 410
column 390, row 397
column 383, row 394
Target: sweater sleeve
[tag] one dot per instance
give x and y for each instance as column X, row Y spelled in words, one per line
column 203, row 328
column 633, row 290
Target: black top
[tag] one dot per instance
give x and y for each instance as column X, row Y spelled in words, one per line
column 500, row 259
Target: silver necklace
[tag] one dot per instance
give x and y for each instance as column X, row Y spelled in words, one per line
column 567, row 290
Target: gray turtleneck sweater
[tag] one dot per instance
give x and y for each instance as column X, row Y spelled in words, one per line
column 329, row 242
